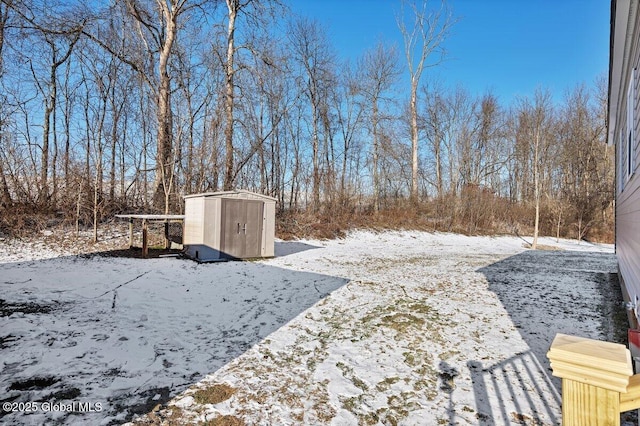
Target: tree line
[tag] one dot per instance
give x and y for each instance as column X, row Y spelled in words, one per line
column 131, row 104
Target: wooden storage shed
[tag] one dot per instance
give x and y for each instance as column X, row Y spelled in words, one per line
column 229, row 225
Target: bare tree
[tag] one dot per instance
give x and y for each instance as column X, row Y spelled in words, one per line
column 380, row 71
column 163, row 33
column 313, row 52
column 50, row 93
column 446, row 118
column 4, row 18
column 5, row 194
column 536, row 120
column 436, row 122
column 197, row 96
column 350, row 117
column 423, row 47
column 256, row 12
column 585, row 159
column 482, row 158
column 233, row 7
column 157, row 23
column 59, row 29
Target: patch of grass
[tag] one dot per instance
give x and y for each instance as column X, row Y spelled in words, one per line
column 408, row 316
column 448, row 354
column 359, row 383
column 523, row 419
column 401, row 322
column 367, row 284
column 371, row 419
column 214, row 394
column 351, row 403
column 225, row 421
column 418, row 358
column 387, row 383
column 542, row 247
column 427, row 386
column 173, row 416
column 421, row 308
column 347, row 372
column 311, row 364
column 477, row 336
column 394, row 400
column 323, row 409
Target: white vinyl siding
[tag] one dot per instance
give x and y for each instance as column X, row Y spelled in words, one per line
column 630, row 142
column 621, row 148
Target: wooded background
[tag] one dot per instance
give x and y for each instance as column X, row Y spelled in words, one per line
column 127, row 105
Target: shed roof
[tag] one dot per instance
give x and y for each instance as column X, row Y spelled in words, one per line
column 222, row 194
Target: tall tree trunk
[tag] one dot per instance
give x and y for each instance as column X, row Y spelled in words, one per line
column 315, row 159
column 50, row 106
column 67, row 133
column 413, row 106
column 437, row 153
column 164, row 166
column 123, row 192
column 43, row 195
column 376, row 152
column 165, row 169
column 327, row 142
column 115, row 117
column 5, row 194
column 422, row 40
column 112, row 166
column 232, row 6
column 536, row 189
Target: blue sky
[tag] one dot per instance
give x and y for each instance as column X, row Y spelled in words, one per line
column 507, row 46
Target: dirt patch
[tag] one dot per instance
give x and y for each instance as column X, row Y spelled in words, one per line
column 7, row 308
column 214, row 394
column 34, row 383
column 542, row 247
column 172, row 417
column 66, row 394
column 134, row 253
column 5, row 341
column 226, row 421
column 614, row 317
column 151, row 398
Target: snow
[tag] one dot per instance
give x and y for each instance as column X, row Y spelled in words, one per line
column 408, row 327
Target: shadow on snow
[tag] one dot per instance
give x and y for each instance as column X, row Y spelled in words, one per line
column 544, row 293
column 131, row 333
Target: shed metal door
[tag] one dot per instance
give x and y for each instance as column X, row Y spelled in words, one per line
column 253, row 228
column 241, row 228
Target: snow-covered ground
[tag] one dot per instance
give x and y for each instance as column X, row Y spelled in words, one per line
column 407, row 328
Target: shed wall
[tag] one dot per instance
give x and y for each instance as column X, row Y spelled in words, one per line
column 212, row 223
column 269, row 229
column 193, row 227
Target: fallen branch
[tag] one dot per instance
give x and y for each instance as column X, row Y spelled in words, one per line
column 121, row 285
column 17, row 282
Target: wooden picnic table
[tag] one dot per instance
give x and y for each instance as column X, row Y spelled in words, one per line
column 146, row 218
